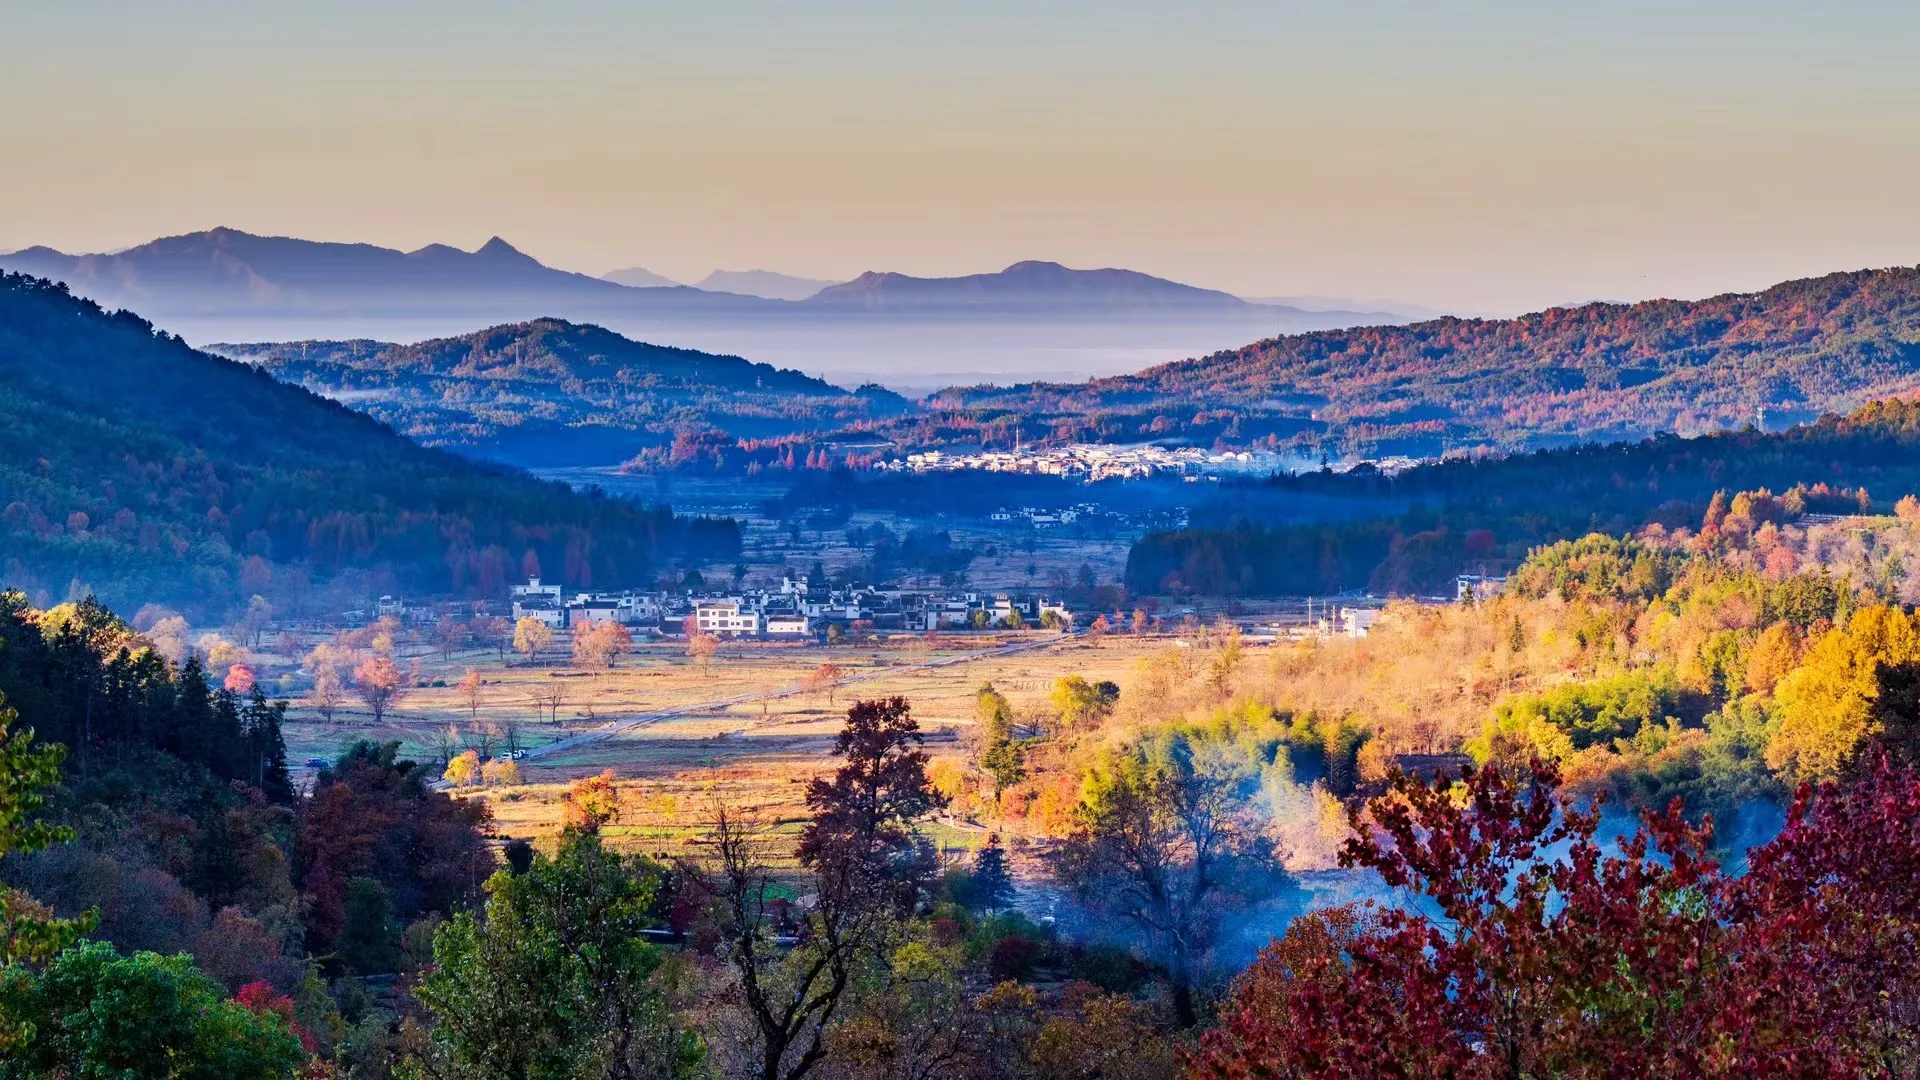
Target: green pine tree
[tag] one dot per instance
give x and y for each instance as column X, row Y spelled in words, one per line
column 992, row 881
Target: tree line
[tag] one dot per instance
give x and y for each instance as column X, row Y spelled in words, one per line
column 1412, row 532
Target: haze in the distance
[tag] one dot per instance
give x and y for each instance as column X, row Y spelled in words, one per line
column 1476, row 157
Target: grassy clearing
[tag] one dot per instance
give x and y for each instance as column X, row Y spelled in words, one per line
column 757, row 755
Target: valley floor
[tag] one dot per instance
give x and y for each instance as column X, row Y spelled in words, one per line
column 748, row 728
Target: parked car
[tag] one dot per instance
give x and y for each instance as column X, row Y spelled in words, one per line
column 317, row 763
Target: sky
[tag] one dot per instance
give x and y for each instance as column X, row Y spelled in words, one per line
column 1488, row 157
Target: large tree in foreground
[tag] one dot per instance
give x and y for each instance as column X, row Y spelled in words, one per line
column 1167, row 840
column 96, row 1013
column 861, row 837
column 1540, row 954
column 866, row 865
column 28, row 931
column 556, row 979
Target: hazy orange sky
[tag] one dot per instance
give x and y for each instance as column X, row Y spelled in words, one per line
column 1485, row 157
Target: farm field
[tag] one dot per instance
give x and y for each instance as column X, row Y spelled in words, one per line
column 755, row 753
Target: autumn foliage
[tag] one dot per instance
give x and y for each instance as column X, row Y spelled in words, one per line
column 591, row 802
column 1539, row 952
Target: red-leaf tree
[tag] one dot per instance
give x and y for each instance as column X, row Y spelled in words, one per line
column 1536, row 953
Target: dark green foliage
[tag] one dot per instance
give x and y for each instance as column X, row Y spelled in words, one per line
column 369, row 941
column 261, row 721
column 27, row 935
column 1598, row 711
column 1413, row 532
column 929, row 551
column 556, row 981
column 372, row 815
column 1014, row 958
column 163, row 474
column 1896, row 712
column 1250, row 560
column 91, row 683
column 519, row 855
column 95, row 1013
column 992, row 883
column 1005, row 760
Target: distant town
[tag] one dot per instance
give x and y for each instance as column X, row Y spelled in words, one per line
column 798, row 611
column 1098, row 461
column 794, row 611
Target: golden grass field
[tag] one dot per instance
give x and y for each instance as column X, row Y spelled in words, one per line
column 756, row 755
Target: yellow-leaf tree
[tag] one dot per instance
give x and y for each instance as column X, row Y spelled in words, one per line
column 1827, row 702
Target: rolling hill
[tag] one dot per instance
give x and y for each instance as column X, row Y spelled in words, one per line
column 137, row 467
column 555, row 393
column 1601, row 371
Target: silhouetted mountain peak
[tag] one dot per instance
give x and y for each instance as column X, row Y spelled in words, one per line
column 1031, row 285
column 638, row 277
column 38, row 251
column 499, row 250
column 766, row 284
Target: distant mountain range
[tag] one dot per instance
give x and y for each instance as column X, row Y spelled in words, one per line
column 762, row 283
column 227, row 271
column 554, row 393
column 1034, row 320
column 1026, row 287
column 638, row 277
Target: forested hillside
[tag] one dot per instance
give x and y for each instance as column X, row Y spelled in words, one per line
column 551, row 392
column 144, row 470
column 1413, row 532
column 1602, row 371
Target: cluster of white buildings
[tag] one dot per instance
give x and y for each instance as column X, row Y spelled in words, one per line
column 1043, row 517
column 1100, row 461
column 793, row 611
column 1096, row 461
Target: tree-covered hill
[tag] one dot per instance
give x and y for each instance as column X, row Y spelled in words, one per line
column 551, row 392
column 1602, row 371
column 145, row 470
column 1411, row 533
